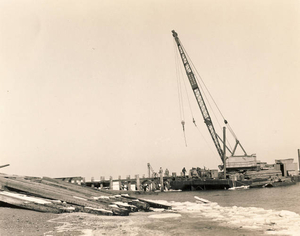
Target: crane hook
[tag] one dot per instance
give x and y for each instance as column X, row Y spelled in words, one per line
column 183, row 123
column 194, row 122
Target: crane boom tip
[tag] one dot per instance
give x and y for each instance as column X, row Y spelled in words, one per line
column 174, row 34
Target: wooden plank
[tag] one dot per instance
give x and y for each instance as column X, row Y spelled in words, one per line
column 120, row 204
column 46, row 193
column 13, row 199
column 73, row 195
column 73, row 187
column 155, row 204
column 51, row 192
column 63, row 195
column 140, row 205
column 53, row 189
column 151, row 203
column 97, row 211
column 106, row 198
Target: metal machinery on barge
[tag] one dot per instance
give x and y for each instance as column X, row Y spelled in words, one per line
column 237, row 169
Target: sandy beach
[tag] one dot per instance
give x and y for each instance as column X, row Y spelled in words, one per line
column 25, row 222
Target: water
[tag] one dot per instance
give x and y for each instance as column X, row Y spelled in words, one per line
column 278, row 198
column 271, row 211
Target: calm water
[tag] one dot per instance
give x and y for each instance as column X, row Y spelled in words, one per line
column 279, row 198
column 261, row 211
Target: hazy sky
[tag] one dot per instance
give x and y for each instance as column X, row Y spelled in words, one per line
column 88, row 88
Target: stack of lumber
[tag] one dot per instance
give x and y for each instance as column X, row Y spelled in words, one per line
column 56, row 196
column 263, row 174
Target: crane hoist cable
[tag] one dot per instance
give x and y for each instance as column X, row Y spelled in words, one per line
column 200, row 85
column 180, row 77
column 193, row 119
column 208, row 144
column 186, row 92
column 180, row 102
column 180, row 80
column 194, row 122
column 180, row 97
column 187, row 64
column 203, row 91
column 198, row 75
column 183, row 123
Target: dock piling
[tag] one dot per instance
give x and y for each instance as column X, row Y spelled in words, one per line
column 129, row 183
column 102, row 178
column 120, row 183
column 161, row 179
column 92, row 180
column 138, row 185
column 111, row 183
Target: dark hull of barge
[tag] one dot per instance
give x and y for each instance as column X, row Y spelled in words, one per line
column 190, row 184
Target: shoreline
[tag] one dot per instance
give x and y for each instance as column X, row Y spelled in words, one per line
column 29, row 223
column 230, row 213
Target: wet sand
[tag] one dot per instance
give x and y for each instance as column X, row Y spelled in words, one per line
column 25, row 222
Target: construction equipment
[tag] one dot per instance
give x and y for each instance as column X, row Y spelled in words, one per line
column 234, row 161
column 151, row 172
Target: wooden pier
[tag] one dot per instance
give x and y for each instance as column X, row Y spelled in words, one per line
column 132, row 184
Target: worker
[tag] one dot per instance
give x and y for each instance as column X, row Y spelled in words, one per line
column 184, row 171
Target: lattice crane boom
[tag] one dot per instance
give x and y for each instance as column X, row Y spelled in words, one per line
column 198, row 96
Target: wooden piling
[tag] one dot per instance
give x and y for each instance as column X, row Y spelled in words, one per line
column 161, row 179
column 128, row 183
column 138, row 185
column 102, row 178
column 111, row 187
column 148, row 165
column 120, row 183
column 92, row 180
column 152, row 186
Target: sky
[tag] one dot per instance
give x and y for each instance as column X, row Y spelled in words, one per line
column 89, row 88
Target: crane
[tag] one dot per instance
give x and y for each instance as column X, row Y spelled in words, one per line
column 154, row 174
column 234, row 161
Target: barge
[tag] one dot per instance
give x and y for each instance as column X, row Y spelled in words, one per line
column 284, row 172
column 219, row 184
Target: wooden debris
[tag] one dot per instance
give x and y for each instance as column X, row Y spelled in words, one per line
column 97, row 211
column 151, row 203
column 87, row 191
column 140, row 205
column 31, row 203
column 56, row 196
